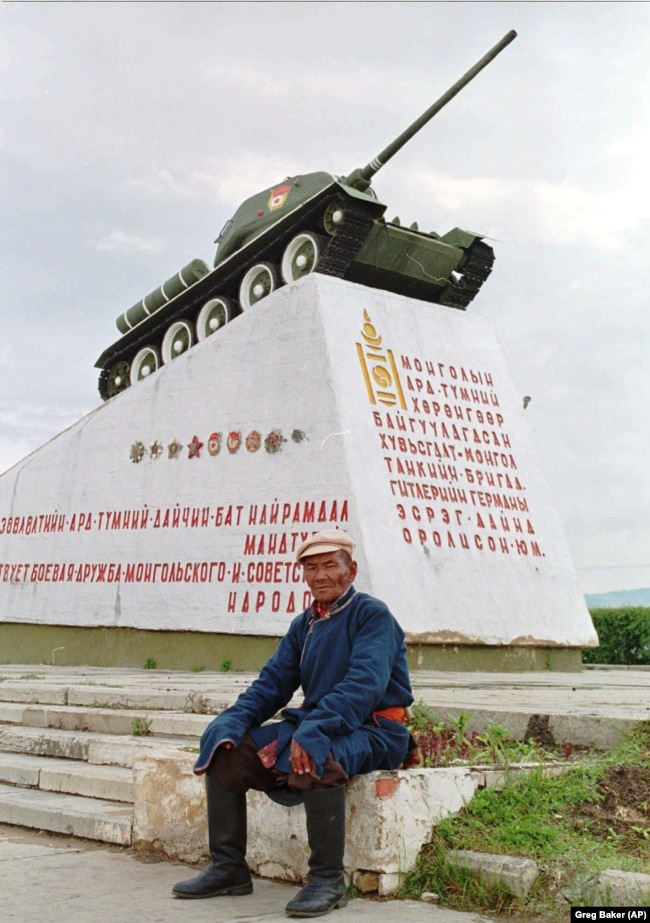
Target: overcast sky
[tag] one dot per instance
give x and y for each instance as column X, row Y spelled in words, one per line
column 132, row 131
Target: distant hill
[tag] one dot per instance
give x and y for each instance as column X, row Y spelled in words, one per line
column 617, row 598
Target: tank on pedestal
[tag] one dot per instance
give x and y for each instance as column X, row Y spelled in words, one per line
column 317, row 222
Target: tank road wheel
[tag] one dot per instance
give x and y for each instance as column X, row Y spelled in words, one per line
column 145, row 363
column 114, row 380
column 260, row 280
column 333, row 217
column 300, row 256
column 177, row 340
column 214, row 314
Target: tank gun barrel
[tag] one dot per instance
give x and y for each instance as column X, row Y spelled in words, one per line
column 360, row 178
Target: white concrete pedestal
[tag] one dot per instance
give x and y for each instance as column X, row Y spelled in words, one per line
column 179, row 504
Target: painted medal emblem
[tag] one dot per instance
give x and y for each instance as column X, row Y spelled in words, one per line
column 278, row 197
column 274, row 440
column 253, row 441
column 214, row 443
column 233, row 442
column 138, row 452
column 174, row 449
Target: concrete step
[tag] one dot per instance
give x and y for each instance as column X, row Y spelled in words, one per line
column 11, row 712
column 42, row 692
column 207, row 703
column 120, row 721
column 61, row 744
column 109, row 783
column 96, row 748
column 90, row 818
column 201, row 693
column 107, row 695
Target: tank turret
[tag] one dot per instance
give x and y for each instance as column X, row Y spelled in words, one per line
column 316, row 222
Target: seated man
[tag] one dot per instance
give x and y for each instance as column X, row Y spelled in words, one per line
column 347, row 653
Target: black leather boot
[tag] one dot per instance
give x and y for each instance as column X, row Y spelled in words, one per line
column 227, row 872
column 325, row 888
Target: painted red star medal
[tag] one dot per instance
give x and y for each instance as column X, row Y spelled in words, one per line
column 194, row 448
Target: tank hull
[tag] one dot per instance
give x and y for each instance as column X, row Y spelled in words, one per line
column 418, row 265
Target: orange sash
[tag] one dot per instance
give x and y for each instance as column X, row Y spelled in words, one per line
column 394, row 713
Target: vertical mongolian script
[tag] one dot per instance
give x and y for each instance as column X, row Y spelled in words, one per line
column 446, row 452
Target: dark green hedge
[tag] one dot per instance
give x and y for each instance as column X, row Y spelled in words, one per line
column 624, row 636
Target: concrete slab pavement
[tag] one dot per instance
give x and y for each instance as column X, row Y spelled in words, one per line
column 63, row 880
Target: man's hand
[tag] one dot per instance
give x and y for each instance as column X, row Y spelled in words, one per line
column 301, row 761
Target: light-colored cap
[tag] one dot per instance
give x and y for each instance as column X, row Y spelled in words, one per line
column 327, row 540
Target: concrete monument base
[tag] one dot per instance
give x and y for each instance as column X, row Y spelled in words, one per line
column 175, row 509
column 186, row 650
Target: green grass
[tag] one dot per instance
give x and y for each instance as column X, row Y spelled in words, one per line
column 141, row 727
column 543, row 818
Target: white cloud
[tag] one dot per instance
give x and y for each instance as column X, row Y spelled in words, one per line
column 554, row 212
column 126, row 241
column 567, row 214
column 387, row 84
column 25, row 426
column 458, row 194
column 226, row 180
column 182, row 184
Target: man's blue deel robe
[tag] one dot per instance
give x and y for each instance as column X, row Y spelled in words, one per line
column 350, row 664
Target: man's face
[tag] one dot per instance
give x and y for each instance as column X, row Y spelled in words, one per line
column 328, row 575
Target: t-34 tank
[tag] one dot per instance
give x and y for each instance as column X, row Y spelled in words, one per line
column 312, row 223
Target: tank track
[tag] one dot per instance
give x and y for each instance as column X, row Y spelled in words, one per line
column 476, row 269
column 346, row 242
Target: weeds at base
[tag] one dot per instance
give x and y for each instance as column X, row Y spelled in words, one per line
column 457, row 888
column 141, row 727
column 589, row 818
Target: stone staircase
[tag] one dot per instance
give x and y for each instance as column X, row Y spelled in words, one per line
column 68, row 742
column 70, row 736
column 106, row 754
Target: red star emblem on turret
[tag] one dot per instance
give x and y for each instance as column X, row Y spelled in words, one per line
column 194, row 447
